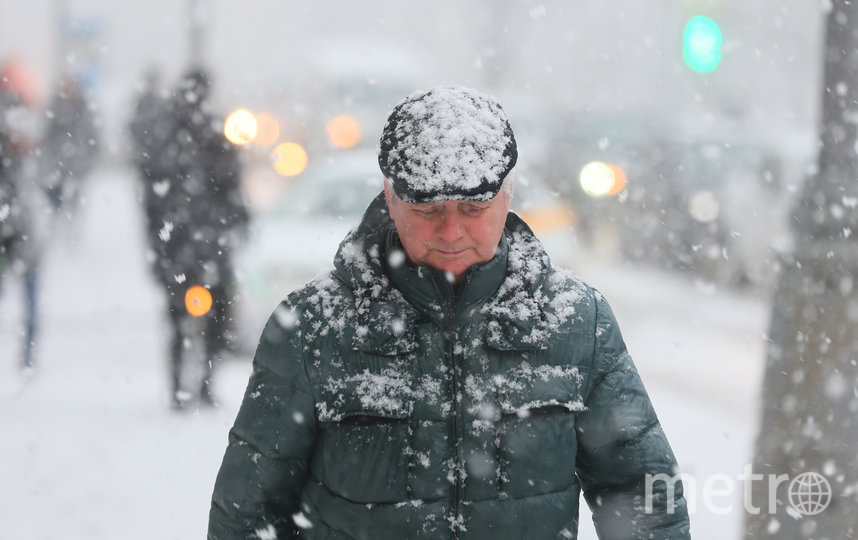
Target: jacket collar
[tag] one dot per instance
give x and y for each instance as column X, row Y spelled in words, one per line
column 523, row 312
column 391, row 295
column 434, row 296
column 384, row 319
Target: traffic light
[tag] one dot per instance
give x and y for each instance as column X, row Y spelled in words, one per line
column 701, row 44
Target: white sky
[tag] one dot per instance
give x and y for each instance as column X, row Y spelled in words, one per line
column 622, row 53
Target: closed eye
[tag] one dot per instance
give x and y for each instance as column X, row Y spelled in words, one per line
column 428, row 211
column 472, row 209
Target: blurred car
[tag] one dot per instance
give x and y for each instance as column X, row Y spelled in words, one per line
column 551, row 217
column 295, row 236
column 718, row 210
column 711, row 200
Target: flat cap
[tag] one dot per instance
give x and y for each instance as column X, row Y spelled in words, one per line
column 447, row 143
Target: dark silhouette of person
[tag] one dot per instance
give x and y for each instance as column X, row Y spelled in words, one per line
column 195, row 215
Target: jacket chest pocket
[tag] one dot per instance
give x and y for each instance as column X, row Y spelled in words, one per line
column 367, row 387
column 361, row 453
column 536, row 432
column 542, row 390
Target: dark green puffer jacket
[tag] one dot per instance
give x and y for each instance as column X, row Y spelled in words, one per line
column 385, row 404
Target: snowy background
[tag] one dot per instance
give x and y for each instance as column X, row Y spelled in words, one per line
column 89, row 447
column 91, row 450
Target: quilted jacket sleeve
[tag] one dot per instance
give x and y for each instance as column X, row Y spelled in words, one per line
column 266, row 462
column 621, row 444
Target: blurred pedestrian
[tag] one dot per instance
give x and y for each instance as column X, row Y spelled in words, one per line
column 71, row 145
column 24, row 210
column 149, row 127
column 150, row 122
column 10, row 211
column 195, row 214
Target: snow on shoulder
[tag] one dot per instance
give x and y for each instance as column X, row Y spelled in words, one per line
column 535, row 299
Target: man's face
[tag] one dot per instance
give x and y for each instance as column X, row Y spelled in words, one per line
column 449, row 235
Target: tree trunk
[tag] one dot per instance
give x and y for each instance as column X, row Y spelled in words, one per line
column 809, row 421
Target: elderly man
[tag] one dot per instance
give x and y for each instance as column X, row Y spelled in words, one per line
column 445, row 380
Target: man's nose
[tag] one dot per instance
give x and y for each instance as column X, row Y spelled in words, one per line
column 450, row 227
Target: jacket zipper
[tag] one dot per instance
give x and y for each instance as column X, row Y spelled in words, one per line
column 456, row 433
column 451, row 336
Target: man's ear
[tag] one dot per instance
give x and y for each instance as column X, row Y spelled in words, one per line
column 387, row 193
column 507, row 189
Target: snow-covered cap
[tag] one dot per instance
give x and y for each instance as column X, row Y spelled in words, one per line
column 447, row 143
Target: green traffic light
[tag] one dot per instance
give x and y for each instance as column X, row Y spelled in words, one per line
column 701, row 44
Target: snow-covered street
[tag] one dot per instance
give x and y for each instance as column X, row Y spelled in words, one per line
column 91, row 449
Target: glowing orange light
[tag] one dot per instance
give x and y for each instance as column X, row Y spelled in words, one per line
column 289, row 159
column 240, row 127
column 549, row 218
column 198, row 301
column 344, row 131
column 619, row 180
column 267, row 130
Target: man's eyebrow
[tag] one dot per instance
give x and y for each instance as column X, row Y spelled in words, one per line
column 426, row 205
